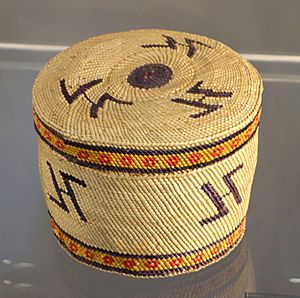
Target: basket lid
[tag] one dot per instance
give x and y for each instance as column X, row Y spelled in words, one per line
column 183, row 97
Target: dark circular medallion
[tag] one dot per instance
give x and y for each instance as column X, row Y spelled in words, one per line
column 150, row 76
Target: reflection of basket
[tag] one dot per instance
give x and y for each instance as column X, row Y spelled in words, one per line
column 147, row 149
column 229, row 278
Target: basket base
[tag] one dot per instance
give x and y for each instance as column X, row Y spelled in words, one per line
column 149, row 266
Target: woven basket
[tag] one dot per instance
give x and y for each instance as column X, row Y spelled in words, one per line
column 147, row 149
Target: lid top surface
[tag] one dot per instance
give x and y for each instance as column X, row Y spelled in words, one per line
column 147, row 88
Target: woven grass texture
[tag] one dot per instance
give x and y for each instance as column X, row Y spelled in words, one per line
column 147, row 149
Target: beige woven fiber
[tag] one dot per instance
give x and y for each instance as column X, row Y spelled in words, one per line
column 147, row 149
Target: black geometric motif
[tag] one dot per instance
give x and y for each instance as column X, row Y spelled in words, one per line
column 69, row 191
column 216, row 198
column 208, row 108
column 79, row 91
column 172, row 44
column 150, row 75
column 82, row 91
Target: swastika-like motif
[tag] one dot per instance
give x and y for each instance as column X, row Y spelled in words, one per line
column 172, row 44
column 208, row 108
column 60, row 202
column 79, row 91
column 82, row 89
column 217, row 199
